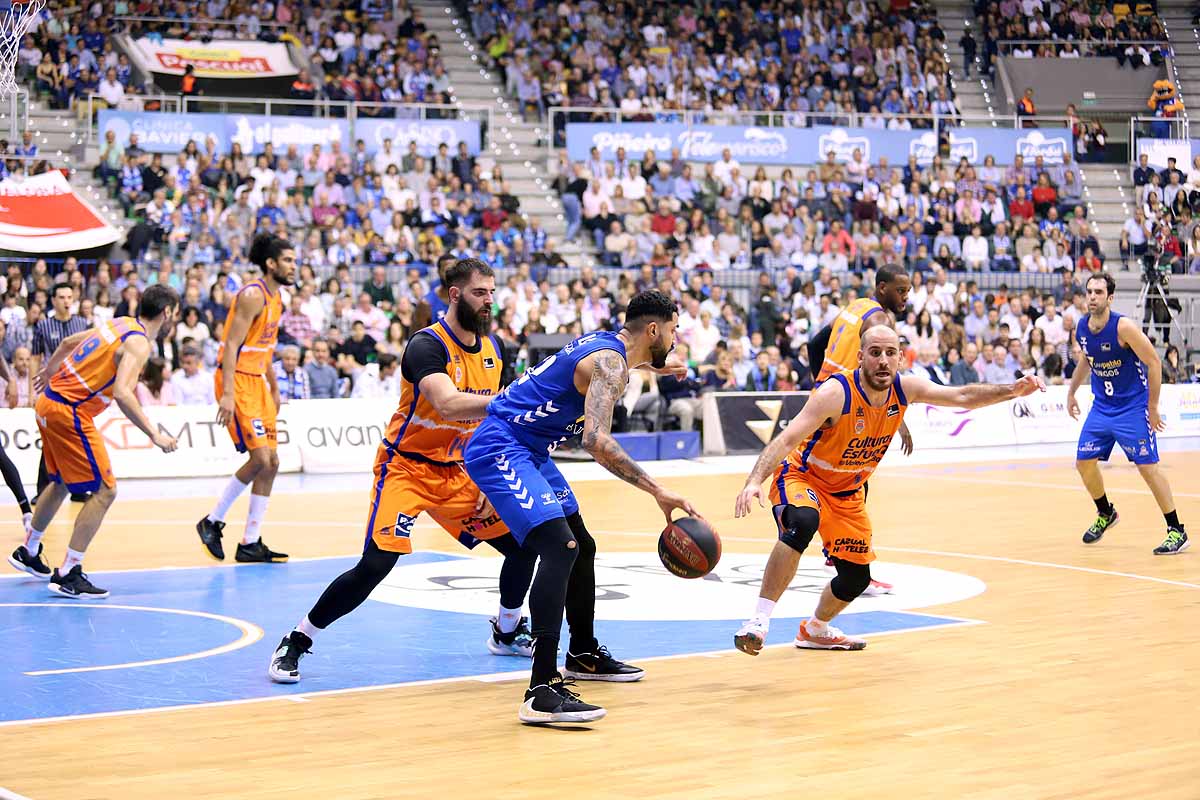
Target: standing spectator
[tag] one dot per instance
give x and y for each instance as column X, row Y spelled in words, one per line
column 291, row 380
column 192, row 383
column 322, row 375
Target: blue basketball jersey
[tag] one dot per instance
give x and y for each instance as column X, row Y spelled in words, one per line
column 1118, row 375
column 543, row 408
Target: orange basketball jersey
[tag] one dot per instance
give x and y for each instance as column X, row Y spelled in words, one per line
column 255, row 354
column 85, row 379
column 842, row 351
column 841, row 459
column 416, row 430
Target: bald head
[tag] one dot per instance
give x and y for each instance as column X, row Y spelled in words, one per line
column 881, row 335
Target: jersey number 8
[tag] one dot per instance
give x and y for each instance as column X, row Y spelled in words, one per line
column 1108, row 388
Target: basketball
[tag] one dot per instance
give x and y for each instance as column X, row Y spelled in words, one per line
column 689, row 548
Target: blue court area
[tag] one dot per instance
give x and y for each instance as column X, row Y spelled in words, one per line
column 176, row 637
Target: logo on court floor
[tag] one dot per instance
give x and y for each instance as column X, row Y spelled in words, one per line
column 636, row 586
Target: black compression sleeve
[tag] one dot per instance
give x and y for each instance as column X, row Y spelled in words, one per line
column 425, row 355
column 816, row 349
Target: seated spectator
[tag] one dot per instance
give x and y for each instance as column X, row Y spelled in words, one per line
column 154, row 388
column 762, row 377
column 192, row 384
column 379, row 379
column 682, row 394
column 322, row 376
column 291, row 380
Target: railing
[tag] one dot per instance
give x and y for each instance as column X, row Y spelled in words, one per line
column 1161, row 128
column 1087, row 48
column 320, row 109
column 194, row 21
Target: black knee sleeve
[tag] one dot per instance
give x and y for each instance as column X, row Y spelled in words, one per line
column 852, row 580
column 799, row 526
column 556, row 547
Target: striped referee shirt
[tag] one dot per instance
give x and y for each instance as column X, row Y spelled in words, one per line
column 50, row 331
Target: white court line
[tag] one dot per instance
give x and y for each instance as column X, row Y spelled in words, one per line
column 5, row 794
column 493, row 677
column 921, row 476
column 251, row 633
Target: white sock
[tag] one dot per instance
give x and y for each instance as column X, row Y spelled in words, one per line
column 254, row 520
column 307, row 628
column 33, row 541
column 817, row 625
column 229, row 495
column 764, row 608
column 508, row 619
column 72, row 558
column 27, row 522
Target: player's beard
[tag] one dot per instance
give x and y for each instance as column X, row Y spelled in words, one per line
column 658, row 353
column 281, row 277
column 877, row 382
column 478, row 322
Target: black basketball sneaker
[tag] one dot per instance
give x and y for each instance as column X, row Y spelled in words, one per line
column 285, row 664
column 555, row 702
column 35, row 565
column 1100, row 526
column 260, row 553
column 75, row 584
column 210, row 536
column 517, row 643
column 599, row 665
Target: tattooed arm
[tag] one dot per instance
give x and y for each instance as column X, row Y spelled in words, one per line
column 973, row 395
column 605, row 385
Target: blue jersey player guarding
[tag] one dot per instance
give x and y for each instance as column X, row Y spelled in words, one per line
column 572, row 392
column 1126, row 377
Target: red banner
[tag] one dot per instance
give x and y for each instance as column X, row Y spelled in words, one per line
column 43, row 214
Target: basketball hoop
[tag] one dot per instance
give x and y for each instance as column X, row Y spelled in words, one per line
column 17, row 18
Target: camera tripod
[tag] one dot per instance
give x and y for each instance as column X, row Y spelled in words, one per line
column 1148, row 302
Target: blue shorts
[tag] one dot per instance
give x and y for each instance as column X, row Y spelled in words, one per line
column 1129, row 428
column 524, row 487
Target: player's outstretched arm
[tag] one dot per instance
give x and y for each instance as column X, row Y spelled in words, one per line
column 1132, row 337
column 973, row 395
column 606, row 385
column 825, row 404
column 134, row 352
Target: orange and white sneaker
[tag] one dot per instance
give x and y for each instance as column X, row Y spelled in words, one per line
column 829, row 639
column 876, row 588
column 751, row 636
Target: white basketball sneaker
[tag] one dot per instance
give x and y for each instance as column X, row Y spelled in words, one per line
column 828, row 639
column 876, row 588
column 751, row 636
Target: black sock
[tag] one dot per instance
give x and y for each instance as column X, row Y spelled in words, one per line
column 25, row 507
column 545, row 661
column 1102, row 505
column 1172, row 519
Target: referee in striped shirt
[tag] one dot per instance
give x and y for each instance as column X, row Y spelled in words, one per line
column 47, row 336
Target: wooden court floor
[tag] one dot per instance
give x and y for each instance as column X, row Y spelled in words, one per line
column 1081, row 683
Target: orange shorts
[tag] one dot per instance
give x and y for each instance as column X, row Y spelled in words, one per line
column 845, row 527
column 254, row 412
column 403, row 488
column 74, row 452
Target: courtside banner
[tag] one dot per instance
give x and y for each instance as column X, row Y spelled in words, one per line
column 43, row 214
column 743, row 422
column 205, row 448
column 215, row 59
column 339, row 435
